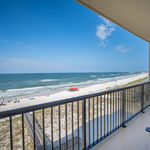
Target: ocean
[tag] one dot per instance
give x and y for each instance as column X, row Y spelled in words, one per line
column 26, row 85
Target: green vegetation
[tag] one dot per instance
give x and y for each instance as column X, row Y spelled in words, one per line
column 131, row 83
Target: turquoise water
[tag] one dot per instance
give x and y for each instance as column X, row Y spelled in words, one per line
column 16, row 85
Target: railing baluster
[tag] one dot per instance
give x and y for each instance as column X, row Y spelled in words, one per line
column 132, row 92
column 72, row 126
column 11, row 134
column 127, row 100
column 133, row 99
column 97, row 120
column 66, row 126
column 43, row 128
column 129, row 103
column 23, row 144
column 89, row 120
column 126, row 105
column 119, row 109
column 52, row 127
column 118, row 106
column 101, row 117
column 142, row 98
column 34, row 144
column 78, row 124
column 59, row 126
column 115, row 110
column 84, row 123
column 110, row 113
column 107, row 116
column 123, row 108
column 113, row 114
column 93, row 123
column 129, row 97
column 104, row 116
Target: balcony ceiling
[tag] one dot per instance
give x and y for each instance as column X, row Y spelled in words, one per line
column 132, row 15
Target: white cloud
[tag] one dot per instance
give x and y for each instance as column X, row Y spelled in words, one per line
column 122, row 49
column 104, row 30
column 107, row 22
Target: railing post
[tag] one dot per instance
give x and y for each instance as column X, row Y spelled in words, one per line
column 11, row 134
column 84, row 124
column 142, row 98
column 149, row 62
column 123, row 108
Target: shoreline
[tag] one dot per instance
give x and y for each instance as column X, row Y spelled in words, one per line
column 24, row 102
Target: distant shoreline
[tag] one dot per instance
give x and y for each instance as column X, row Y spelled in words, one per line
column 18, row 86
column 23, row 102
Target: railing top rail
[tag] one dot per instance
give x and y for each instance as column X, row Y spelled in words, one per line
column 21, row 110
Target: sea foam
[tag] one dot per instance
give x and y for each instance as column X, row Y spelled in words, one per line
column 49, row 80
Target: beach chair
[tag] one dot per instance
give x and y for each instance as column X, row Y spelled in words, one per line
column 147, row 129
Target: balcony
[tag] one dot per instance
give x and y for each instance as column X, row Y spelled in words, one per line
column 111, row 119
column 77, row 123
column 132, row 137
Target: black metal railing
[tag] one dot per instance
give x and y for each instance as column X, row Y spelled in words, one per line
column 74, row 123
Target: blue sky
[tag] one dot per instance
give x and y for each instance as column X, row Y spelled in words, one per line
column 64, row 36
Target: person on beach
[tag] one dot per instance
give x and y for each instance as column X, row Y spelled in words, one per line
column 3, row 102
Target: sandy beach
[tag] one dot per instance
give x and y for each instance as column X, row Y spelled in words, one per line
column 67, row 94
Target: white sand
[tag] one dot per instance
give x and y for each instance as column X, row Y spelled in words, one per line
column 66, row 94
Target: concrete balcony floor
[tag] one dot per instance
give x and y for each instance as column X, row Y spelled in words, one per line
column 133, row 137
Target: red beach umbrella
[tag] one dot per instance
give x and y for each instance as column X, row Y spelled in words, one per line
column 73, row 89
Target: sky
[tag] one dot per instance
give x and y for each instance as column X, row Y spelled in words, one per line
column 47, row 36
